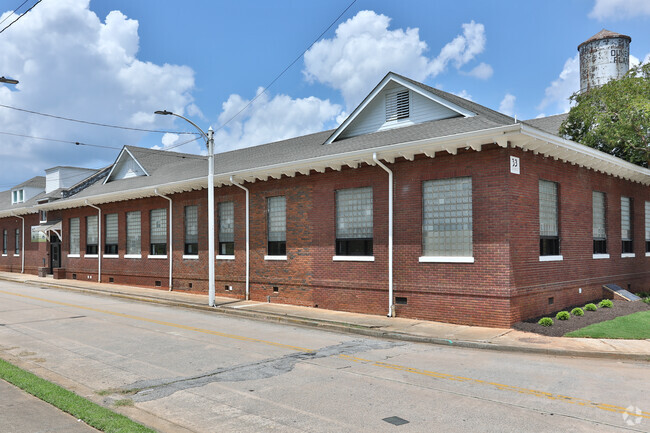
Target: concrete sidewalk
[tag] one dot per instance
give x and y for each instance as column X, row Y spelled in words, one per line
column 364, row 324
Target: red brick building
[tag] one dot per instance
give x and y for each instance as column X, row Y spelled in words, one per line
column 494, row 220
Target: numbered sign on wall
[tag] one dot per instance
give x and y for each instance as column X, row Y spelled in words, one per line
column 514, row 165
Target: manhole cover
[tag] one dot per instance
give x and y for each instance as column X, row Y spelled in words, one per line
column 395, row 420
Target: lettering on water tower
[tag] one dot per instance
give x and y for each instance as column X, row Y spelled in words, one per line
column 620, row 56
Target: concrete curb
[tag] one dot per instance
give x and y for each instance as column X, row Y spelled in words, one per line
column 343, row 327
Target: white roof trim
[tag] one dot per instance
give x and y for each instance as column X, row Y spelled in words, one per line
column 119, row 157
column 387, row 79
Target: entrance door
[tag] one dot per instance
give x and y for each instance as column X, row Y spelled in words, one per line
column 55, row 255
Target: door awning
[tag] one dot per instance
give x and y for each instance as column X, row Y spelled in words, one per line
column 49, row 228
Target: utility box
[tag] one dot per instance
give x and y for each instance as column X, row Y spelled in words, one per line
column 42, row 271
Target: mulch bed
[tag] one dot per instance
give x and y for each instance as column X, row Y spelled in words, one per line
column 561, row 327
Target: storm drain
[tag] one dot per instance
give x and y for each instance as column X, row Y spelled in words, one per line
column 395, row 420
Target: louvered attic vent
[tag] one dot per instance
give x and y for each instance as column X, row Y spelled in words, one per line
column 397, row 105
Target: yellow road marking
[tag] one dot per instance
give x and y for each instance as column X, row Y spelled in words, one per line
column 436, row 375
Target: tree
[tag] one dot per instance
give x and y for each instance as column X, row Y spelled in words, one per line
column 614, row 118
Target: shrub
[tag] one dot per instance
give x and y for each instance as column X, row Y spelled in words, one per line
column 563, row 315
column 606, row 303
column 577, row 312
column 591, row 307
column 647, row 300
column 545, row 321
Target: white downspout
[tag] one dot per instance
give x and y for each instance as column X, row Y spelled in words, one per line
column 22, row 246
column 391, row 306
column 99, row 240
column 171, row 239
column 248, row 266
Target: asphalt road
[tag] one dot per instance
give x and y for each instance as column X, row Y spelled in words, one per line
column 199, row 371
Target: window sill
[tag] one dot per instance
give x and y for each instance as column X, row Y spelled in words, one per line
column 111, row 256
column 600, row 256
column 190, row 257
column 551, row 258
column 4, row 255
column 16, row 255
column 157, row 256
column 628, row 255
column 647, row 254
column 74, row 256
column 90, row 256
column 225, row 257
column 353, row 258
column 275, row 257
column 445, row 259
column 132, row 256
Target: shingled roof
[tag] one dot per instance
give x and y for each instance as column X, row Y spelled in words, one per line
column 605, row 34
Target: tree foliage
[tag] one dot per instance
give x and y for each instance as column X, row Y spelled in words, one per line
column 614, row 118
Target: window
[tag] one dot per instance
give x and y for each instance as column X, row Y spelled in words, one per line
column 549, row 238
column 647, row 227
column 397, row 105
column 17, row 249
column 227, row 228
column 74, row 236
column 191, row 230
column 110, row 245
column 354, row 222
column 92, row 234
column 4, row 242
column 17, row 196
column 277, row 226
column 447, row 217
column 133, row 242
column 599, row 223
column 626, row 225
column 158, row 239
column 43, row 215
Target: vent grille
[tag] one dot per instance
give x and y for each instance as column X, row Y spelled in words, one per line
column 397, row 105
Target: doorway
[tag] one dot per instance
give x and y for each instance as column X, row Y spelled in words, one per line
column 55, row 255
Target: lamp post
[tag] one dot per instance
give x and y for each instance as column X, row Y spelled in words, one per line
column 8, row 80
column 209, row 139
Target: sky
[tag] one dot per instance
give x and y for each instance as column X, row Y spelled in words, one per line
column 117, row 61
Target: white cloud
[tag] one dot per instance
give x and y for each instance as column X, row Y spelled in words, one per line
column 619, row 9
column 507, row 105
column 72, row 64
column 483, row 71
column 271, row 119
column 463, row 94
column 556, row 95
column 364, row 50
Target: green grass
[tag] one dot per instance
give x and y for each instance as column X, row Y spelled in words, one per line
column 633, row 326
column 92, row 414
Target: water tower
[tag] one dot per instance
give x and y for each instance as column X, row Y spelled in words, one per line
column 604, row 56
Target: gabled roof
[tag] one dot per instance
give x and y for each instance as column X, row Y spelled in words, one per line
column 123, row 158
column 34, row 182
column 447, row 100
column 550, row 124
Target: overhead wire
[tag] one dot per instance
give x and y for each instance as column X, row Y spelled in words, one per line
column 281, row 73
column 20, row 16
column 15, row 10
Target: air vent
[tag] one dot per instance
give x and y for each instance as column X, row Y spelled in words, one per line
column 397, row 105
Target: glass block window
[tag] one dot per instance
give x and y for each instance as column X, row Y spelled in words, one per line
column 4, row 241
column 158, row 236
column 191, row 230
column 227, row 228
column 277, row 226
column 354, row 222
column 133, row 230
column 549, row 235
column 626, row 224
column 447, row 217
column 599, row 223
column 647, row 227
column 92, row 234
column 75, row 238
column 17, row 249
column 110, row 245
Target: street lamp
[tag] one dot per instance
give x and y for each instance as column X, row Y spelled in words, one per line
column 209, row 139
column 8, row 80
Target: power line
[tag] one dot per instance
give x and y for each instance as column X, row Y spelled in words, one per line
column 20, row 16
column 15, row 10
column 281, row 73
column 106, row 125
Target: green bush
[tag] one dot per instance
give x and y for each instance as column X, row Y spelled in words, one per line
column 545, row 321
column 647, row 300
column 591, row 307
column 606, row 303
column 563, row 315
column 577, row 312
